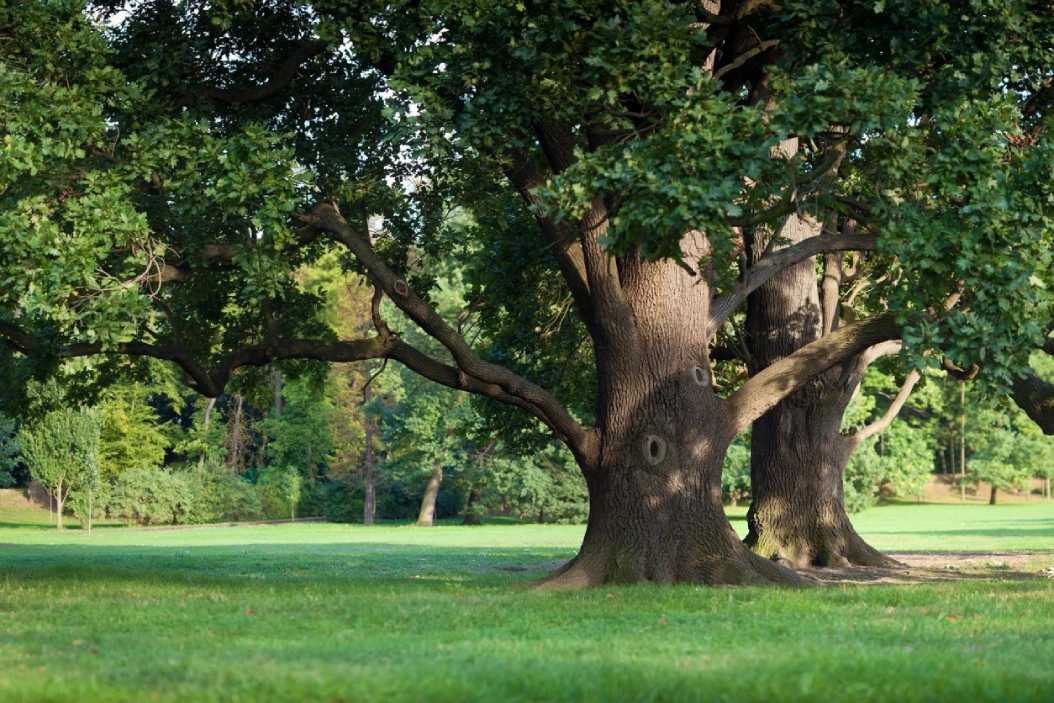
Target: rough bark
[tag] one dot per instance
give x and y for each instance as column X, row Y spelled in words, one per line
column 427, row 515
column 655, row 489
column 798, row 453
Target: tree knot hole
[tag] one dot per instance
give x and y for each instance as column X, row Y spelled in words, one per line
column 701, row 376
column 654, row 449
column 400, row 287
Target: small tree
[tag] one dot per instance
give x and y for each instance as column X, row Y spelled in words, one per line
column 61, row 451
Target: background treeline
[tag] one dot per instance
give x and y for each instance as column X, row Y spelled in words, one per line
column 290, row 442
column 307, row 439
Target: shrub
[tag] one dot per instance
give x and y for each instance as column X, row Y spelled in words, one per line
column 152, row 497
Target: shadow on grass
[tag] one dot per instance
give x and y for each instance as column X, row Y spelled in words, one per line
column 343, row 563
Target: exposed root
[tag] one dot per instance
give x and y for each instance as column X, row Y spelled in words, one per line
column 826, row 547
column 741, row 569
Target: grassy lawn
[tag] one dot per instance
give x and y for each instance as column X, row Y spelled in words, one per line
column 320, row 612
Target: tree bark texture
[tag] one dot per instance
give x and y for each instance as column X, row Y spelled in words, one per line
column 426, row 516
column 655, row 481
column 798, row 453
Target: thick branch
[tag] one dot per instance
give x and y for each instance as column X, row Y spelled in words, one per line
column 560, row 237
column 767, row 388
column 892, row 411
column 774, row 262
column 274, row 85
column 1036, row 397
column 16, row 338
column 542, row 403
column 223, row 252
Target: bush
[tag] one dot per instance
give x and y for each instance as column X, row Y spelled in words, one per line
column 344, row 502
column 152, row 497
column 223, row 497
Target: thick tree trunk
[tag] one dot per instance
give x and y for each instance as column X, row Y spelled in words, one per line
column 798, row 454
column 655, row 508
column 798, row 514
column 991, row 496
column 427, row 514
column 655, row 513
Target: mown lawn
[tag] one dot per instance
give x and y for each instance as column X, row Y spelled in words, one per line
column 321, row 612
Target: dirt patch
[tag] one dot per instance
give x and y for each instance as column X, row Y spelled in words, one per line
column 929, row 567
column 944, row 488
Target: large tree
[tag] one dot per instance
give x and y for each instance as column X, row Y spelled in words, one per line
column 167, row 175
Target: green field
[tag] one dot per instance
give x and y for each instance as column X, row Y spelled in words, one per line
column 321, row 612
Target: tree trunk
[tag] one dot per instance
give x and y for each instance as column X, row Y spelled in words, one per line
column 60, row 500
column 1046, row 488
column 655, row 512
column 654, row 475
column 991, row 496
column 798, row 458
column 370, row 507
column 426, row 517
column 205, row 432
column 471, row 518
column 798, row 453
column 277, row 386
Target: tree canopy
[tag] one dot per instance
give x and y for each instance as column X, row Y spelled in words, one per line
column 170, row 167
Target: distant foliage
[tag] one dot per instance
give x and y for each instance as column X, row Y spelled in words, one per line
column 735, row 474
column 152, row 497
column 10, row 450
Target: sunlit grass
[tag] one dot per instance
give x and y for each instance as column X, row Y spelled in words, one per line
column 320, row 612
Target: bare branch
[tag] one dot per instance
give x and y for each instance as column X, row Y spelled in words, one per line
column 892, row 411
column 274, row 85
column 774, row 262
column 745, row 56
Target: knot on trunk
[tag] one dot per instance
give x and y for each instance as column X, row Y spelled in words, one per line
column 401, row 288
column 654, row 448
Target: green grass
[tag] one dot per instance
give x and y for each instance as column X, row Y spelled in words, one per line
column 319, row 612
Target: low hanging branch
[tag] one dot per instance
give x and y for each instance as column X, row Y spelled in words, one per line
column 767, row 388
column 474, row 374
column 880, row 425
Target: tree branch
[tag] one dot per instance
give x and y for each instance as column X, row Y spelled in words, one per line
column 774, row 262
column 560, row 237
column 767, row 388
column 1036, row 397
column 274, row 85
column 892, row 411
column 542, row 404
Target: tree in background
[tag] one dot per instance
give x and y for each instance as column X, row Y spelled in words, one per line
column 62, row 451
column 132, row 436
column 10, row 450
